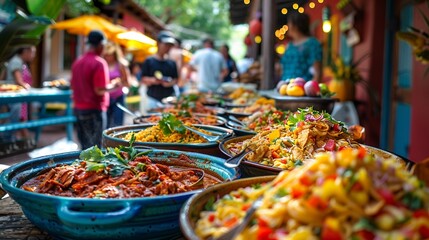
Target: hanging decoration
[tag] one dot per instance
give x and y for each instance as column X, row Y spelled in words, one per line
column 248, row 40
column 255, row 27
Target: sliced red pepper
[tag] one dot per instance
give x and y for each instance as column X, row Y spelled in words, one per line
column 211, row 217
column 361, row 153
column 264, row 233
column 332, row 176
column 387, row 196
column 300, row 124
column 421, row 213
column 317, row 203
column 305, row 180
column 246, row 206
column 365, row 235
column 297, row 191
column 357, row 187
column 424, row 232
column 262, row 223
column 330, row 234
column 330, row 145
column 275, row 155
column 230, row 222
column 341, row 148
column 337, row 127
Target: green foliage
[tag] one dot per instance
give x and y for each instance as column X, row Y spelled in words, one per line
column 75, row 8
column 210, row 17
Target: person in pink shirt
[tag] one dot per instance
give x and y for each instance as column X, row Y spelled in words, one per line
column 90, row 84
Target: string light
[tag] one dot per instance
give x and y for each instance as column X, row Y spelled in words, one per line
column 277, row 33
column 285, row 27
column 282, row 31
column 280, row 49
column 301, row 10
column 320, row 1
column 284, row 11
column 246, row 2
column 311, row 4
column 282, row 37
column 258, row 39
column 296, row 6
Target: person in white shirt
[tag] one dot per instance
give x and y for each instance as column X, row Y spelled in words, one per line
column 210, row 65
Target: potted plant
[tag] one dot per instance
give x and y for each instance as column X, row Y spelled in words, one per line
column 345, row 77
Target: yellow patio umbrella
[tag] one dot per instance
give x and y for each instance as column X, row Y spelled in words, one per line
column 84, row 24
column 134, row 40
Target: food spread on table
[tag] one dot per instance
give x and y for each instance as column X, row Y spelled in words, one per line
column 168, row 130
column 184, row 116
column 350, row 194
column 11, row 88
column 291, row 142
column 260, row 105
column 117, row 173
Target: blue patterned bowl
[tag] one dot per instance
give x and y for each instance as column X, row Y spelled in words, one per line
column 82, row 218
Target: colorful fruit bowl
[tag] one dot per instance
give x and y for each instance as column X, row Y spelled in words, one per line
column 294, row 103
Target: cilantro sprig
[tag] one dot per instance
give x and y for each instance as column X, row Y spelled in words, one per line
column 169, row 124
column 113, row 161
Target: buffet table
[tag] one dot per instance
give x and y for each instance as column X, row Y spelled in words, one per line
column 43, row 96
column 14, row 225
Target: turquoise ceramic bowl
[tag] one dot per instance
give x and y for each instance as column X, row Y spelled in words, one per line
column 82, row 218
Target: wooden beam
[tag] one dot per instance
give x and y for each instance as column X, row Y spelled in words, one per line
column 268, row 23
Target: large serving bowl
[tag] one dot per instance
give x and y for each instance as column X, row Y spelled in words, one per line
column 199, row 117
column 294, row 103
column 114, row 137
column 252, row 169
column 83, row 218
column 204, row 110
column 190, row 212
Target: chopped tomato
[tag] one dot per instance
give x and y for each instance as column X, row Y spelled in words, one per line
column 230, row 222
column 387, row 196
column 336, row 127
column 332, row 176
column 305, row 180
column 424, row 231
column 252, row 125
column 341, row 148
column 275, row 155
column 317, row 203
column 421, row 213
column 365, row 235
column 245, row 207
column 237, row 195
column 262, row 223
column 264, row 233
column 297, row 191
column 330, row 145
column 357, row 187
column 300, row 124
column 211, row 217
column 330, row 234
column 361, row 153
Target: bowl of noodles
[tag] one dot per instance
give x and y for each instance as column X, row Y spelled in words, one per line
column 293, row 142
column 152, row 135
column 348, row 194
column 121, row 193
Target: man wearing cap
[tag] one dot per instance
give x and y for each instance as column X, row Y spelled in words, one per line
column 158, row 73
column 90, row 84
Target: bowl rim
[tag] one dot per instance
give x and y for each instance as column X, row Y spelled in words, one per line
column 273, row 94
column 107, row 134
column 66, row 157
column 222, row 146
column 220, row 120
column 239, row 130
column 185, row 211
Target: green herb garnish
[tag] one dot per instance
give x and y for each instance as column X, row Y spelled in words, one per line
column 169, row 124
column 209, row 205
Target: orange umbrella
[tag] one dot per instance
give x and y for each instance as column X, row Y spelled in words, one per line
column 84, row 24
column 135, row 40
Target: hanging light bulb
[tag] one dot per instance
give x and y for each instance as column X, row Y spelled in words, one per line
column 311, row 4
column 320, row 1
column 284, row 11
column 295, row 6
column 280, row 49
column 301, row 10
column 246, row 2
column 326, row 17
column 258, row 39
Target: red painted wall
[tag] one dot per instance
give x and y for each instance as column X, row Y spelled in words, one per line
column 370, row 27
column 419, row 146
column 131, row 22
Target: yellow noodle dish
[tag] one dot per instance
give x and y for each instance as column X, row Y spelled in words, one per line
column 290, row 143
column 168, row 130
column 348, row 194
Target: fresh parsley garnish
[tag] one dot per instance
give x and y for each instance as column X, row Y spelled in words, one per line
column 169, row 124
column 209, row 204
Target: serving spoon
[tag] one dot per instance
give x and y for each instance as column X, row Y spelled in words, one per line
column 200, row 174
column 236, row 120
column 210, row 138
column 126, row 110
column 235, row 161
